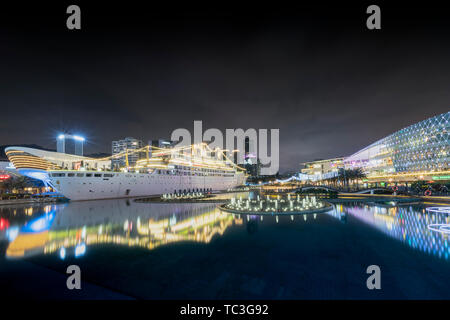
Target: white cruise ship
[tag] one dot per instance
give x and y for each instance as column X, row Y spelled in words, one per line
column 194, row 168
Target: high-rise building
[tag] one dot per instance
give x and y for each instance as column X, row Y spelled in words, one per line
column 160, row 143
column 71, row 144
column 121, row 146
column 251, row 161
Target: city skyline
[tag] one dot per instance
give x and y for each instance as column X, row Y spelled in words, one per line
column 317, row 75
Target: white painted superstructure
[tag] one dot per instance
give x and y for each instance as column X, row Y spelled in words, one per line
column 181, row 170
column 105, row 185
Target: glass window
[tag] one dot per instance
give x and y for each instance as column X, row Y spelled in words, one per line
column 58, row 174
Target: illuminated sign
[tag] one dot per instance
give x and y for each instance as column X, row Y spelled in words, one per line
column 4, row 176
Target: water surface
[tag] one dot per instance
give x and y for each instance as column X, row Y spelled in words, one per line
column 129, row 249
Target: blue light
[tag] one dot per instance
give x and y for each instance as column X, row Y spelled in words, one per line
column 12, row 233
column 40, row 224
column 62, row 253
column 61, row 136
column 80, row 250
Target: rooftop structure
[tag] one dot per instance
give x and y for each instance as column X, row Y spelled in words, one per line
column 71, row 144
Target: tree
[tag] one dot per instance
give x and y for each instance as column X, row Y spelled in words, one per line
column 21, row 183
column 351, row 174
column 16, row 183
column 358, row 174
column 8, row 185
column 343, row 175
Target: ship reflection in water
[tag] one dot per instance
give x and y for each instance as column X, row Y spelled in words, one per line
column 71, row 228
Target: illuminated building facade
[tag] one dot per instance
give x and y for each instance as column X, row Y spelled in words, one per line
column 251, row 161
column 121, row 146
column 322, row 167
column 418, row 152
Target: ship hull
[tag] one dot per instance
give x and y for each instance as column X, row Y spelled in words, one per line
column 121, row 185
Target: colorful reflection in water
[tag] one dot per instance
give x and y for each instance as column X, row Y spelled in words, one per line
column 70, row 229
column 409, row 224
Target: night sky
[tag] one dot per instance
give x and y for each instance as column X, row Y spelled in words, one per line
column 317, row 73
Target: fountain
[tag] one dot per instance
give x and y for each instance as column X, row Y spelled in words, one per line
column 279, row 205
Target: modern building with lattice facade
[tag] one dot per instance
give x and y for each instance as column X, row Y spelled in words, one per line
column 418, row 152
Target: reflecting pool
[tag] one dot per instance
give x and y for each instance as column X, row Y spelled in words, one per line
column 129, row 249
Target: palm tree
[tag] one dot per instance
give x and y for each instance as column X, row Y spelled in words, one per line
column 334, row 181
column 358, row 174
column 346, row 175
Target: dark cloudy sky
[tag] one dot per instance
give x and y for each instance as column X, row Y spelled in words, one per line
column 330, row 85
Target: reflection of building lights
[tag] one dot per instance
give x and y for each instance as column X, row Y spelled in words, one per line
column 440, row 227
column 40, row 224
column 201, row 228
column 439, row 209
column 4, row 224
column 12, row 233
column 80, row 249
column 62, row 253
